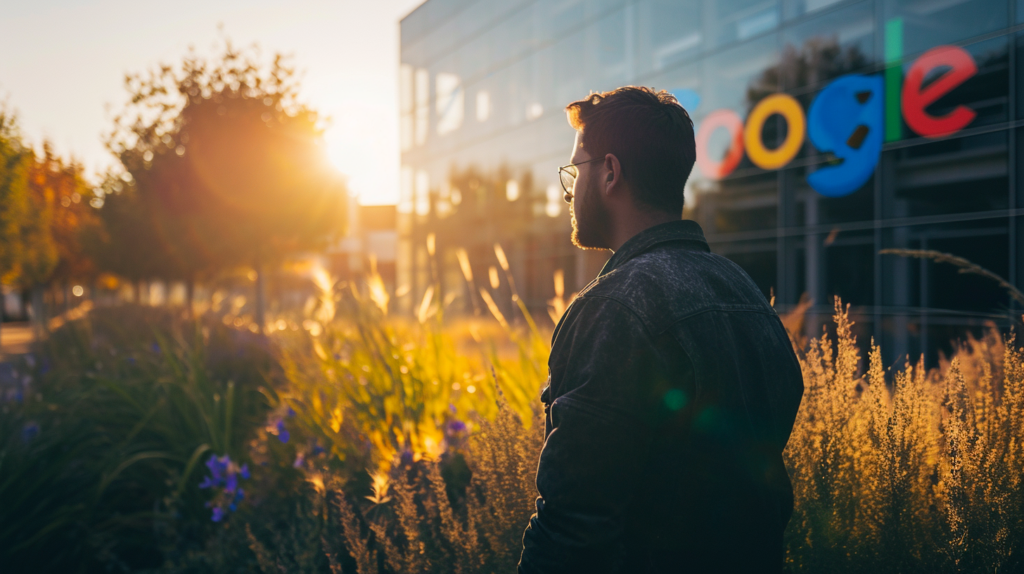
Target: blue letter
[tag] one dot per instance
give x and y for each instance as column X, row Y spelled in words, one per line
column 846, row 120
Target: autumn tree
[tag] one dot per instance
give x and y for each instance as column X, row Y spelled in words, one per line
column 228, row 165
column 15, row 161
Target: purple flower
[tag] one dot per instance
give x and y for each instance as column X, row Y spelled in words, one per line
column 317, row 449
column 155, row 348
column 455, row 426
column 299, row 460
column 224, row 475
column 406, row 457
column 291, row 413
column 282, row 433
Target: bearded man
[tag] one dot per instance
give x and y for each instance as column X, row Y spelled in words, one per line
column 673, row 385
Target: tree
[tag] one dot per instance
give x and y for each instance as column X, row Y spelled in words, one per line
column 228, row 163
column 15, row 160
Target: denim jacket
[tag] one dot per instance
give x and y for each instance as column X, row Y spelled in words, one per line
column 672, row 391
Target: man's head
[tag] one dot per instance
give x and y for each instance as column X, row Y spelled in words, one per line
column 640, row 147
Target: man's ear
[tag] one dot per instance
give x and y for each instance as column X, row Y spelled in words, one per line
column 611, row 163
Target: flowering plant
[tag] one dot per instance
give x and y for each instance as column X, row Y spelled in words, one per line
column 224, row 475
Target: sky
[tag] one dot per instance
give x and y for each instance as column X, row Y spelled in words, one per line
column 65, row 60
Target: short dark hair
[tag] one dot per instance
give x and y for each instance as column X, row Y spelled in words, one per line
column 650, row 134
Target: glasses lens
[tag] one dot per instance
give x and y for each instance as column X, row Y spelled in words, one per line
column 568, row 177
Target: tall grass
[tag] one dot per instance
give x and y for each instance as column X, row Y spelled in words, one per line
column 908, row 470
column 100, row 458
column 894, row 470
column 384, row 445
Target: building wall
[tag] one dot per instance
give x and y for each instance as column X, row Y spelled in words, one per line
column 484, row 85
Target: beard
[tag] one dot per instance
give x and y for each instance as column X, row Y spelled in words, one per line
column 589, row 217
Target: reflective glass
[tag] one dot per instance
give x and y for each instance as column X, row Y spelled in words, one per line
column 930, row 23
column 830, row 45
column 738, row 78
column 795, row 8
column 849, row 267
column 956, row 175
column 608, row 61
column 668, row 32
column 728, row 21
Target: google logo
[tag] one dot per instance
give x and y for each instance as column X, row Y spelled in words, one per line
column 850, row 119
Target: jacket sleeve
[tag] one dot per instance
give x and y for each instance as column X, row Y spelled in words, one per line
column 592, row 460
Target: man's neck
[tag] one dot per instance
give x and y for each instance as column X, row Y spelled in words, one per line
column 624, row 229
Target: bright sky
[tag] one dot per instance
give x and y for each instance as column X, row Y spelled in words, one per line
column 64, row 62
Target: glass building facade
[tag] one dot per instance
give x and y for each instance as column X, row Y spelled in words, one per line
column 828, row 131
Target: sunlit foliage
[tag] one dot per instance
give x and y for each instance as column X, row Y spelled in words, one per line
column 228, row 166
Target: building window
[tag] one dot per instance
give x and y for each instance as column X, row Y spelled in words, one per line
column 450, row 103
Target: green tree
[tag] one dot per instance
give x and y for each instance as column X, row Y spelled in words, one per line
column 229, row 163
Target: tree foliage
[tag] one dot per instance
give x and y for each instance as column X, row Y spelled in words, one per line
column 44, row 210
column 225, row 168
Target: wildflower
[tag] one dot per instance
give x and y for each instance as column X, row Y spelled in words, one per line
column 299, row 460
column 155, row 348
column 224, row 474
column 317, row 449
column 282, row 433
column 456, row 426
column 406, row 457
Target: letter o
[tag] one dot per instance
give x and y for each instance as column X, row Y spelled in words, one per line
column 729, row 120
column 788, row 108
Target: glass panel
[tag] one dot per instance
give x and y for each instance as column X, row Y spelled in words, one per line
column 608, row 63
column 669, row 31
column 739, row 77
column 795, row 8
column 952, row 176
column 849, row 268
column 930, row 23
column 742, row 204
column 816, row 209
column 729, row 21
column 818, row 50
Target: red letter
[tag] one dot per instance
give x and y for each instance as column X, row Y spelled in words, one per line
column 916, row 99
column 729, row 120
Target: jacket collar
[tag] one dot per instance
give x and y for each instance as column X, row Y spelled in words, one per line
column 683, row 230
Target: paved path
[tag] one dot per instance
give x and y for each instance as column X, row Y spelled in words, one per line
column 15, row 338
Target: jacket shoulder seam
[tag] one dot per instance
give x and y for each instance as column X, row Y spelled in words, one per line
column 627, row 307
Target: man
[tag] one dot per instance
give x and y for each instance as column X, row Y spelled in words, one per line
column 672, row 383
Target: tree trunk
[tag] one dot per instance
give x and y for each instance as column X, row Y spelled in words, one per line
column 39, row 312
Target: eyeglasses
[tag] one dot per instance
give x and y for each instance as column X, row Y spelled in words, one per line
column 567, row 174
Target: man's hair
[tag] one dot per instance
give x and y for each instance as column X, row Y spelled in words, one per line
column 650, row 134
